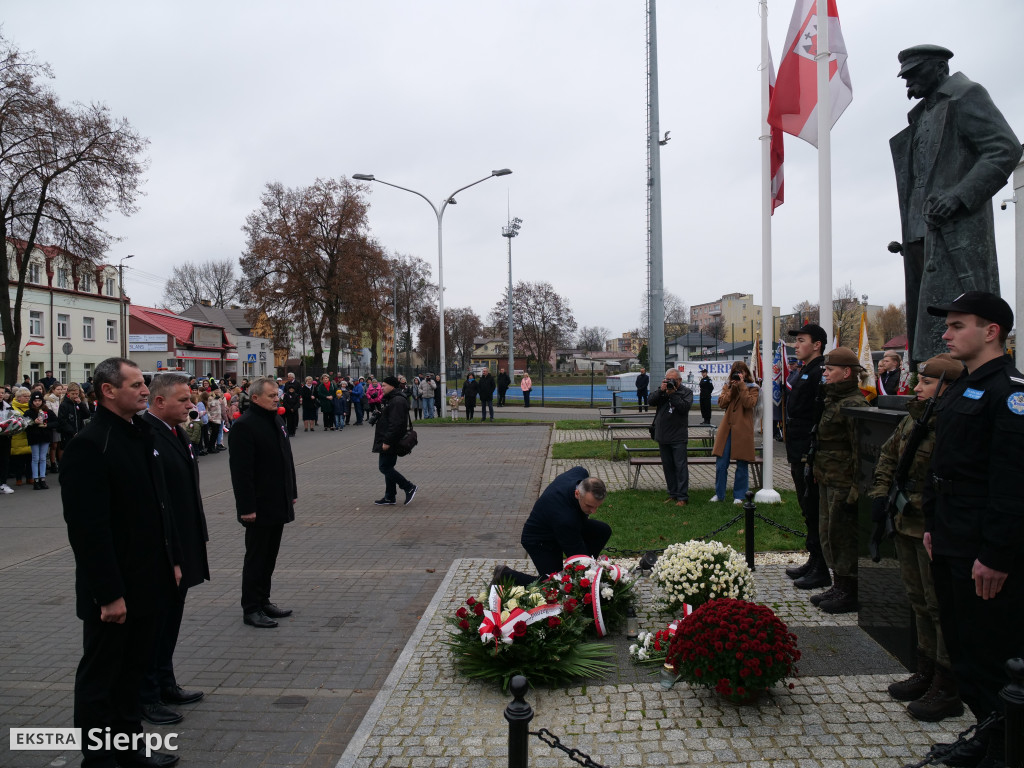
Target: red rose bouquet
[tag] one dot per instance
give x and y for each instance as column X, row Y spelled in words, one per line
column 738, row 648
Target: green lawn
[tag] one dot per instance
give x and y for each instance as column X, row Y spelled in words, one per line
column 640, row 520
column 578, row 424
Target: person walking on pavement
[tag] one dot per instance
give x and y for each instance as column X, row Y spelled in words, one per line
column 169, row 404
column 263, row 480
column 643, row 382
column 486, row 386
column 804, row 400
column 706, row 387
column 672, row 402
column 127, row 561
column 389, row 429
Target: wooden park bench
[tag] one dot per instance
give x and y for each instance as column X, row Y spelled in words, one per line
column 639, row 462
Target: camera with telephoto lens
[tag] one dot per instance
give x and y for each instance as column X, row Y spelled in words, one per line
column 372, row 417
column 193, row 415
column 735, row 377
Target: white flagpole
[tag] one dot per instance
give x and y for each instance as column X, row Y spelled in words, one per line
column 767, row 494
column 824, row 173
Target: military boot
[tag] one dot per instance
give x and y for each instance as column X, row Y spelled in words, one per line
column 941, row 700
column 845, row 600
column 915, row 686
column 816, row 577
column 796, row 571
column 828, row 594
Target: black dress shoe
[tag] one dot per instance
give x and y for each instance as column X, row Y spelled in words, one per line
column 274, row 612
column 138, row 759
column 178, row 695
column 158, row 714
column 259, row 619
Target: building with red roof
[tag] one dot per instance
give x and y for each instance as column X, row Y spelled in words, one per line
column 159, row 339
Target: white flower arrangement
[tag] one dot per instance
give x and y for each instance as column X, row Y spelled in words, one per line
column 694, row 572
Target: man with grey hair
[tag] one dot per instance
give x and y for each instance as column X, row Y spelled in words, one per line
column 169, row 404
column 263, row 479
column 672, row 401
column 560, row 525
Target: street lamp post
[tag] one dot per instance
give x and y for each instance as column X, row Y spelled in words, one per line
column 439, row 213
column 510, row 231
column 121, row 305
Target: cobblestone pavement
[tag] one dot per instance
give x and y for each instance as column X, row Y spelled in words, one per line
column 427, row 716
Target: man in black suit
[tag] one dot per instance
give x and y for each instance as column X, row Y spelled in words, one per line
column 169, row 404
column 126, row 561
column 263, row 478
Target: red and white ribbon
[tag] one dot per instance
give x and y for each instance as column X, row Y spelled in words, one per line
column 494, row 628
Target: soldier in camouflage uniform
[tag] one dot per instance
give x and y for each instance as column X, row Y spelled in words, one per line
column 835, row 470
column 931, row 690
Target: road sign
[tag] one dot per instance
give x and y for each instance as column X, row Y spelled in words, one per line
column 68, row 349
column 251, row 358
column 159, row 364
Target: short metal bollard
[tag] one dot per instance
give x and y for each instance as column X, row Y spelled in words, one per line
column 519, row 714
column 1013, row 696
column 748, row 527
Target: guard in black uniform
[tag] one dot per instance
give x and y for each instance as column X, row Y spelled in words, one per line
column 974, row 517
column 803, row 408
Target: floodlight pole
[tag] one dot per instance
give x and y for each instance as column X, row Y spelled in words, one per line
column 510, row 231
column 439, row 213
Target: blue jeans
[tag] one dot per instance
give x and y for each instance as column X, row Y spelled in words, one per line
column 358, row 405
column 742, row 482
column 39, row 452
column 428, row 407
column 339, row 421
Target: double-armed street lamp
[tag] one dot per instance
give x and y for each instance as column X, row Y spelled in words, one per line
column 439, row 213
column 510, row 231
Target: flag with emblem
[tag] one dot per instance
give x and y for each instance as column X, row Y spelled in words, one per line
column 794, row 102
column 780, row 373
column 868, row 386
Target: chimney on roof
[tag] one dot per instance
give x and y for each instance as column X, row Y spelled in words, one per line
column 205, row 302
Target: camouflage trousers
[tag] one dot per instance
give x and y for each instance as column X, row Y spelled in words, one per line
column 837, row 525
column 916, row 572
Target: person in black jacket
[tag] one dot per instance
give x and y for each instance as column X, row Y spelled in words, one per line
column 643, row 383
column 504, row 382
column 802, row 413
column 470, row 390
column 391, row 426
column 707, row 388
column 263, row 479
column 71, row 415
column 486, row 387
column 126, row 559
column 169, row 403
column 560, row 525
column 39, row 435
column 291, row 401
column 672, row 401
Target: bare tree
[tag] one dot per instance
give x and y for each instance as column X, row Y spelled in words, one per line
column 677, row 315
column 414, row 292
column 192, row 283
column 62, row 168
column 803, row 313
column 592, row 338
column 893, row 320
column 462, row 326
column 846, row 313
column 541, row 318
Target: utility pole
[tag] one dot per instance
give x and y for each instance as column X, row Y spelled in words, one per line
column 509, row 231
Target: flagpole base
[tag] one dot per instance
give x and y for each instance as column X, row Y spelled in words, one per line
column 768, row 496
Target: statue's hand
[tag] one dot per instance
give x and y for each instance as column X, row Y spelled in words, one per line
column 941, row 209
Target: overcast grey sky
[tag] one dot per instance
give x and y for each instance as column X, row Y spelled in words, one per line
column 434, row 95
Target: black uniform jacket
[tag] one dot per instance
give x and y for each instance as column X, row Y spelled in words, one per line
column 262, row 468
column 556, row 518
column 974, row 509
column 800, row 409
column 119, row 517
column 181, row 472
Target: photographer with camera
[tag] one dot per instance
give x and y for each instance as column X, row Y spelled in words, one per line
column 672, row 401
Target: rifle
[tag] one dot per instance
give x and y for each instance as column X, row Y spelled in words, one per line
column 897, row 498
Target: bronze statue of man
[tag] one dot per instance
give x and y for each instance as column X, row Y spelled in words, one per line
column 957, row 152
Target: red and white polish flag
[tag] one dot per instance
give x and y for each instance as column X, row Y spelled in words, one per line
column 777, row 152
column 794, row 105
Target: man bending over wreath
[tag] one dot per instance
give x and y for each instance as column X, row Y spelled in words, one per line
column 560, row 526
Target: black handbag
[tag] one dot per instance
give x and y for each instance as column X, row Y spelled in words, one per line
column 407, row 442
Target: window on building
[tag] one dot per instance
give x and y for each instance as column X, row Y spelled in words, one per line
column 85, row 283
column 63, row 326
column 111, row 330
column 35, row 272
column 88, row 329
column 110, row 290
column 62, row 373
column 35, row 323
column 35, row 371
column 88, row 368
column 63, row 277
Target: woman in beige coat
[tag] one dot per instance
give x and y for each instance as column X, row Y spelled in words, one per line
column 735, row 436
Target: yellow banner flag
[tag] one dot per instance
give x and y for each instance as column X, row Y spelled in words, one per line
column 868, row 386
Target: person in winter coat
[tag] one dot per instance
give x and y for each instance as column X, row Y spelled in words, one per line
column 487, row 386
column 389, row 429
column 325, row 397
column 672, row 401
column 470, row 390
column 71, row 415
column 439, row 394
column 504, row 382
column 20, row 451
column 39, row 435
column 309, row 404
column 356, row 398
column 427, row 388
column 374, row 395
column 417, row 398
column 7, row 414
column 707, row 388
column 526, row 385
column 341, row 397
column 735, row 436
column 217, row 411
column 54, row 397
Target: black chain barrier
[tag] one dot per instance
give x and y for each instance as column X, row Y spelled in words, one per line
column 574, row 754
column 939, row 752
